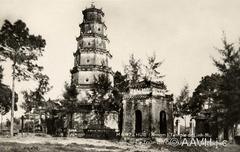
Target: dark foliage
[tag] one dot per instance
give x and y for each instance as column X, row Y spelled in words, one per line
column 5, row 96
column 70, row 102
column 229, row 67
column 219, row 94
column 133, row 70
column 207, row 92
column 120, row 82
column 104, row 97
column 21, row 47
column 36, row 99
column 152, row 73
column 181, row 107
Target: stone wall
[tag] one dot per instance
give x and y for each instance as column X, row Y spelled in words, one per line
column 86, row 120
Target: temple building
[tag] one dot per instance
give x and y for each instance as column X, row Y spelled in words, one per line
column 147, row 110
column 90, row 60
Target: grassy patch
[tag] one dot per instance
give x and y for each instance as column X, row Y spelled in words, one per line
column 18, row 147
column 48, row 147
column 77, row 147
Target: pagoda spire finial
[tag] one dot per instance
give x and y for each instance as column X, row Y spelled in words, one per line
column 92, row 4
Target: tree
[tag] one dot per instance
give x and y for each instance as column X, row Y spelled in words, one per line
column 133, row 70
column 103, row 99
column 5, row 96
column 181, row 107
column 35, row 99
column 16, row 121
column 120, row 82
column 206, row 102
column 206, row 93
column 70, row 103
column 219, row 93
column 1, row 74
column 152, row 66
column 229, row 91
column 52, row 110
column 121, row 86
column 182, row 102
column 23, row 49
column 101, row 96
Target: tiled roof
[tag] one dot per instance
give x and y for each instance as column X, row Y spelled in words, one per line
column 142, row 97
column 93, row 9
column 148, row 84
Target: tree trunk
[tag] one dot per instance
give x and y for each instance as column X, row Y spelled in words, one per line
column 33, row 121
column 13, row 99
column 22, row 122
column 1, row 122
column 71, row 121
column 150, row 120
column 185, row 125
column 101, row 119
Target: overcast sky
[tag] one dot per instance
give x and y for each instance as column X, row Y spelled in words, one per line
column 183, row 33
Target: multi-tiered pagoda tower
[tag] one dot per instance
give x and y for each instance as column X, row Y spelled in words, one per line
column 92, row 56
column 90, row 60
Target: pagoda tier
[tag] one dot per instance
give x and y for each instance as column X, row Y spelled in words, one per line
column 95, row 50
column 92, row 68
column 92, row 42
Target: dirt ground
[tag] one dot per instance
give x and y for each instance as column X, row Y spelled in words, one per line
column 31, row 143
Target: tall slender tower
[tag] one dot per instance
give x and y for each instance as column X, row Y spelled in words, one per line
column 92, row 56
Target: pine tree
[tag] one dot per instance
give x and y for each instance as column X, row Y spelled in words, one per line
column 152, row 73
column 23, row 49
column 5, row 96
column 70, row 102
column 133, row 70
column 35, row 99
column 229, row 68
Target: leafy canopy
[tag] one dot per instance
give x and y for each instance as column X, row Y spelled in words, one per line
column 221, row 91
column 35, row 99
column 133, row 70
column 5, row 96
column 104, row 97
column 206, row 93
column 21, row 47
column 120, row 82
column 69, row 102
column 152, row 73
column 229, row 68
column 181, row 107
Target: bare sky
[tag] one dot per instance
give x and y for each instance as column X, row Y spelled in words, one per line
column 183, row 33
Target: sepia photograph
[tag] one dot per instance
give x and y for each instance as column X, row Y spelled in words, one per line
column 119, row 76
